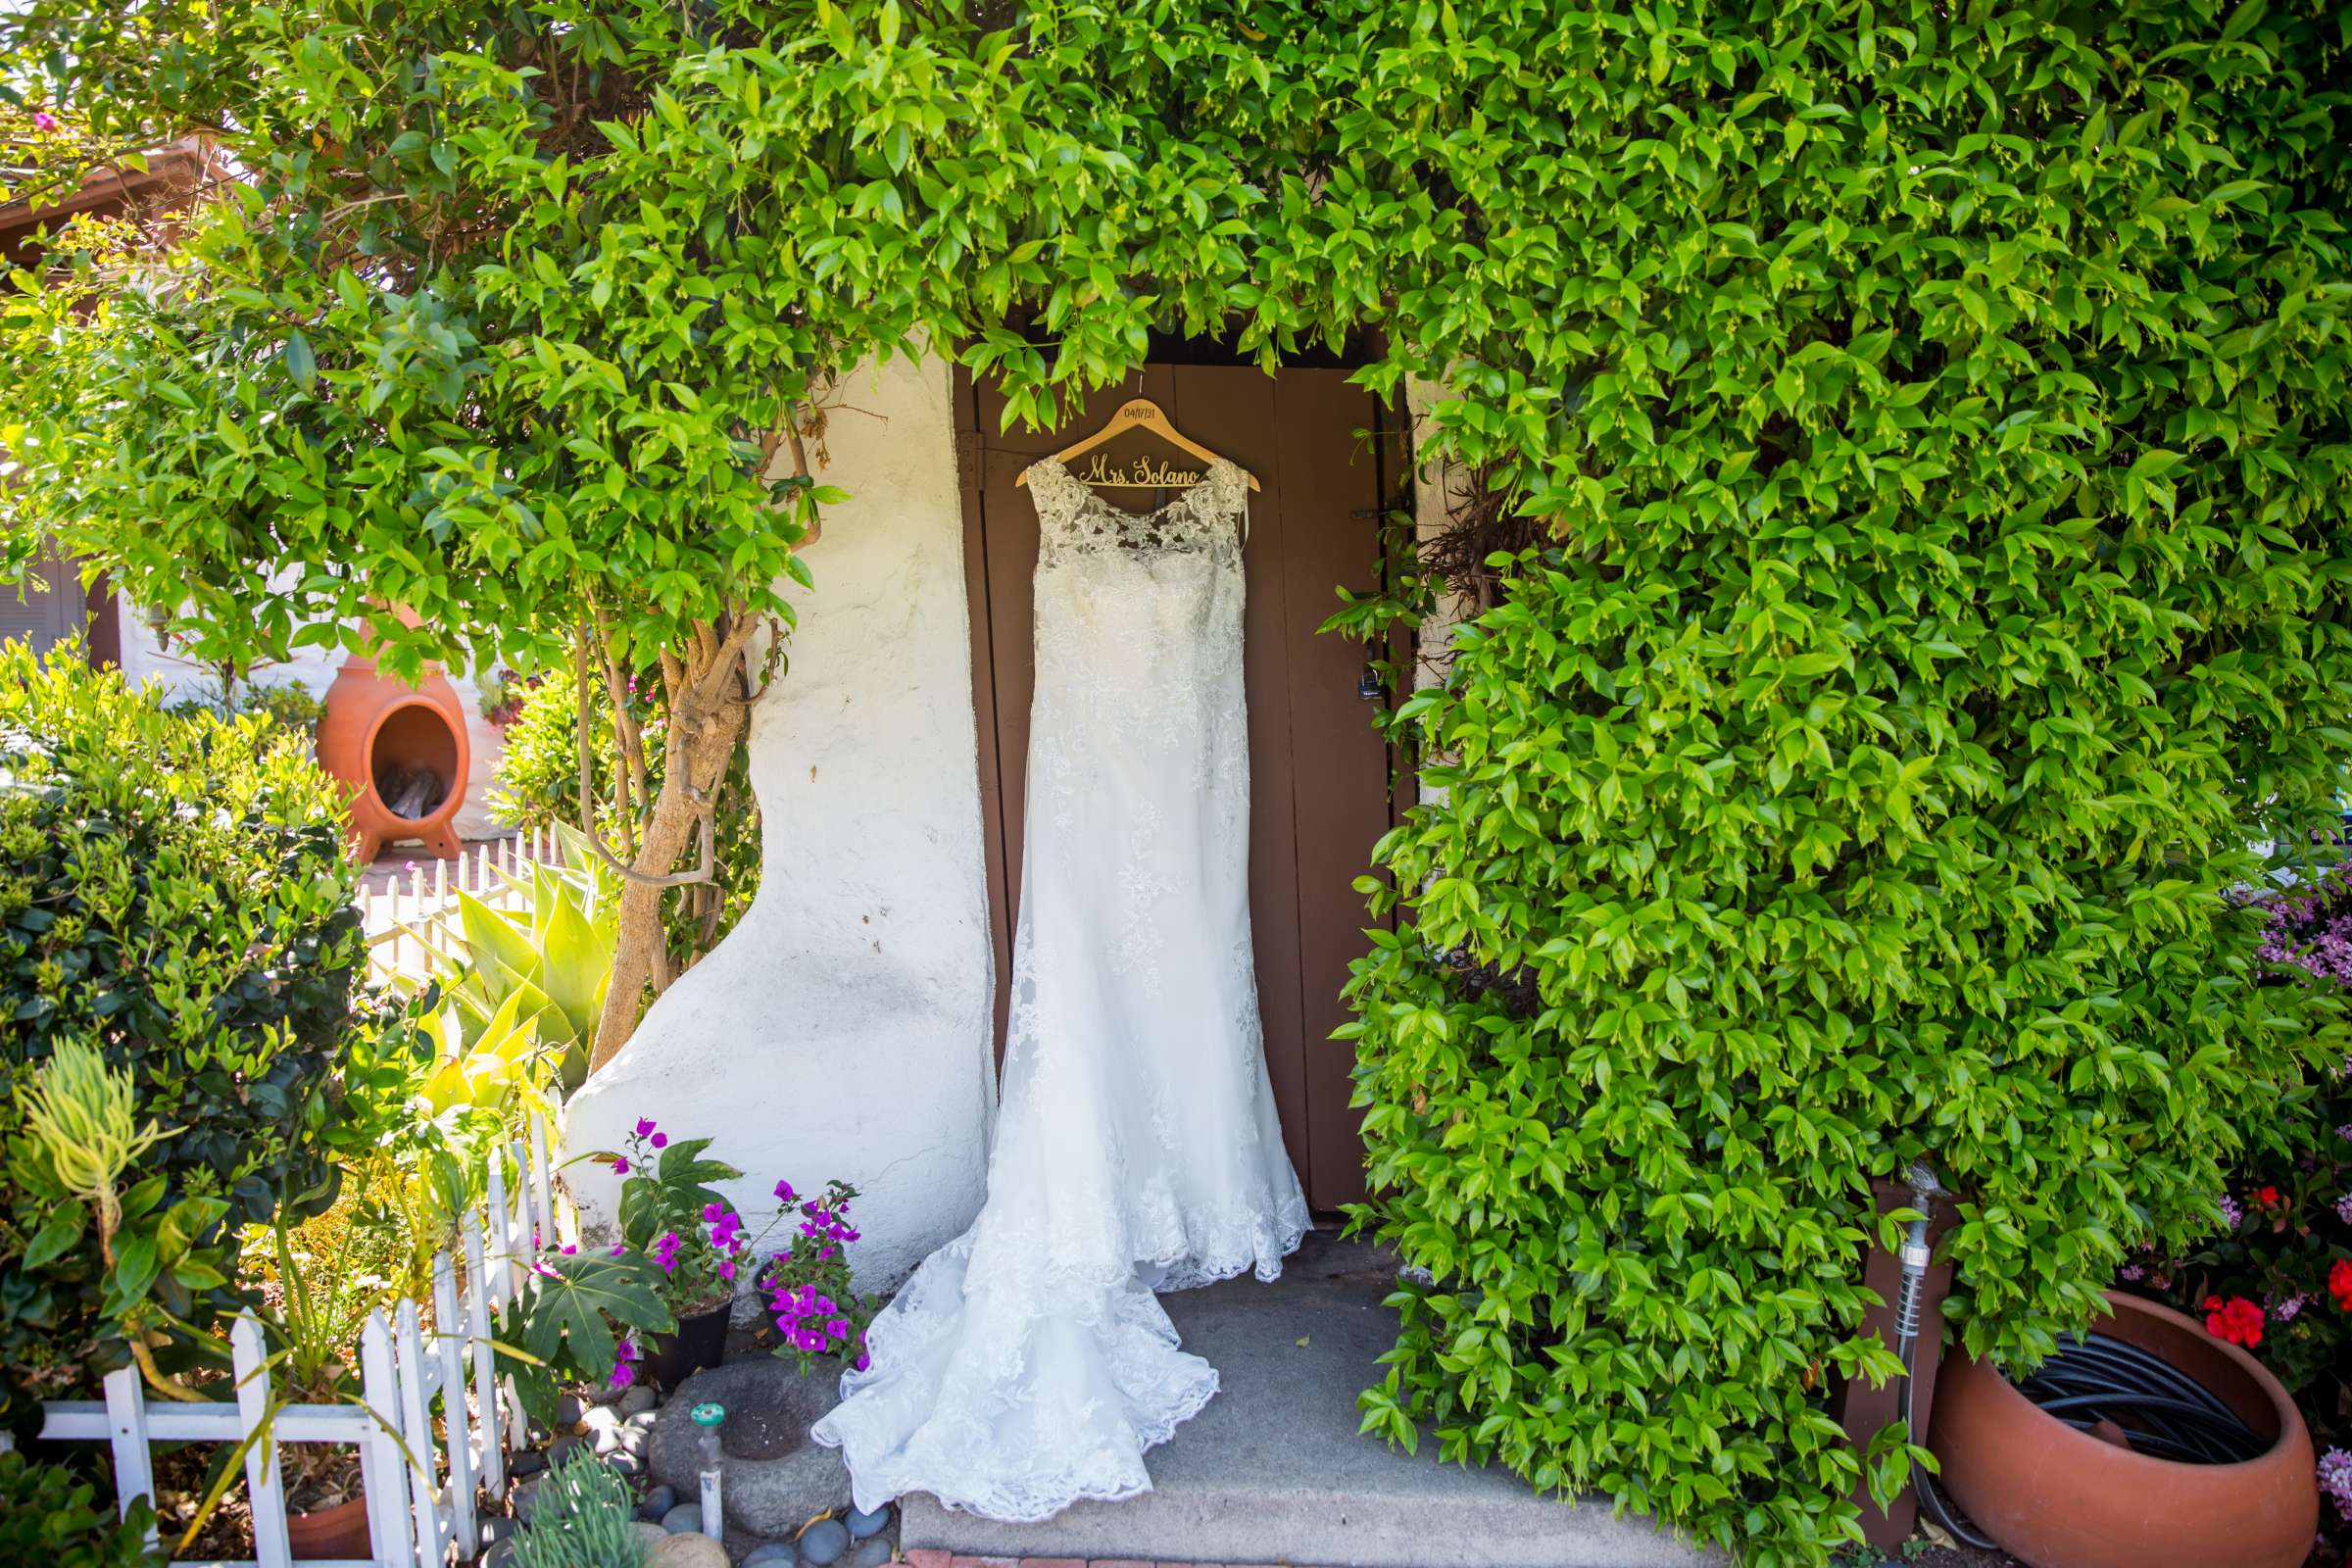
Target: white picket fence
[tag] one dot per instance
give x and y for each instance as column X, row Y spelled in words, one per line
column 412, row 923
column 423, row 1485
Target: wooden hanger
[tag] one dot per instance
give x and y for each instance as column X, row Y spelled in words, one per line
column 1139, row 414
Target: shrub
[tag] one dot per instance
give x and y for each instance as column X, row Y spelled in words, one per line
column 289, row 705
column 174, row 895
column 51, row 1516
column 1941, row 419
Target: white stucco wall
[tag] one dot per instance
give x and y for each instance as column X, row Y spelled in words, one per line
column 843, row 1029
column 145, row 659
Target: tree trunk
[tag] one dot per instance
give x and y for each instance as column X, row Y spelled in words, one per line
column 708, row 714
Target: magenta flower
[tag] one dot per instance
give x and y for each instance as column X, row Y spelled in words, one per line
column 43, row 121
column 661, row 1140
column 645, row 1126
column 785, row 1194
column 620, row 1164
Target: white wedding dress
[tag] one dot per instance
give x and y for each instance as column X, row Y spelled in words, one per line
column 1027, row 1363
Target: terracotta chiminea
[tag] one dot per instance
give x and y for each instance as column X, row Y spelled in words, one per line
column 404, row 749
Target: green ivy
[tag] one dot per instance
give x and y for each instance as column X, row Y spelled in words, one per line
column 1938, row 416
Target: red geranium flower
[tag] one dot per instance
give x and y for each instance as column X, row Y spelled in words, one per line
column 2339, row 1284
column 2266, row 1197
column 2236, row 1320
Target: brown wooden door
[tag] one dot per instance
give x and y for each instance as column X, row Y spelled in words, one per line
column 1328, row 457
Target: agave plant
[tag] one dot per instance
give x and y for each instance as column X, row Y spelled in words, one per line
column 551, row 958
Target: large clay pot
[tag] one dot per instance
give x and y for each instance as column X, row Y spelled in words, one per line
column 381, row 737
column 2056, row 1497
column 332, row 1534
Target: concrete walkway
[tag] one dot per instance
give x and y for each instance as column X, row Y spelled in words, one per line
column 1273, row 1471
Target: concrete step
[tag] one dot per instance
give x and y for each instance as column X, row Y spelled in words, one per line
column 1273, row 1470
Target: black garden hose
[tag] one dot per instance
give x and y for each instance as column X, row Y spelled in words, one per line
column 2162, row 1413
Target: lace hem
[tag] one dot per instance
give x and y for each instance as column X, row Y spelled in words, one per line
column 1013, row 1397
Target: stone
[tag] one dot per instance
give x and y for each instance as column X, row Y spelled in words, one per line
column 775, row 1555
column 636, row 1400
column 657, row 1503
column 495, row 1529
column 567, row 1413
column 643, row 1420
column 685, row 1517
column 647, row 1531
column 526, row 1497
column 525, row 1462
column 871, row 1552
column 823, row 1542
column 625, row 1463
column 600, row 1419
column 500, row 1556
column 776, row 1477
column 564, row 1447
column 687, row 1551
column 863, row 1524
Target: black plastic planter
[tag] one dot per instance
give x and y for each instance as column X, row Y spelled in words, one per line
column 700, row 1341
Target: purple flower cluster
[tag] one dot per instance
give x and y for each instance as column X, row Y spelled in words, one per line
column 830, row 1230
column 2231, row 1214
column 812, row 1321
column 2312, row 932
column 665, row 1250
column 726, row 1236
column 624, row 1370
column 2343, row 1208
column 2335, row 1480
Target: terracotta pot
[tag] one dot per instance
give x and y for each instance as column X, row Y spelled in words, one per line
column 337, row 1532
column 700, row 1342
column 381, row 735
column 2056, row 1497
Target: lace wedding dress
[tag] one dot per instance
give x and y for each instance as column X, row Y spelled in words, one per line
column 1027, row 1363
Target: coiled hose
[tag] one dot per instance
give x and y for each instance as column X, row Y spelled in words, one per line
column 2162, row 1413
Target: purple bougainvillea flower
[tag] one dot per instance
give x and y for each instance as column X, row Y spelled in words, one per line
column 710, row 1212
column 661, row 1140
column 645, row 1126
column 621, row 1165
column 623, row 1375
column 44, row 120
column 785, row 1194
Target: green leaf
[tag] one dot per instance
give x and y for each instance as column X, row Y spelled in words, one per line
column 59, row 1232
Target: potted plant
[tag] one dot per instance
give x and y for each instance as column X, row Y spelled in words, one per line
column 312, row 1304
column 696, row 1241
column 671, row 1215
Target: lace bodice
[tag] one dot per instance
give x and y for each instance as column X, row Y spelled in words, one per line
column 1204, row 519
